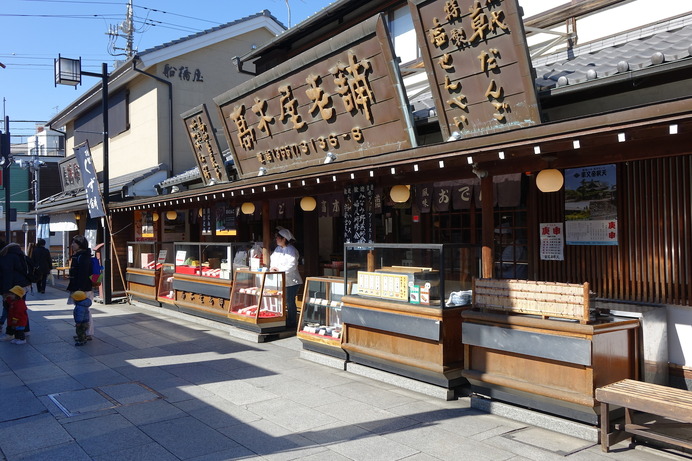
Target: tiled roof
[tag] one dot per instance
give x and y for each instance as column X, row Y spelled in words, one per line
column 643, row 48
column 213, row 29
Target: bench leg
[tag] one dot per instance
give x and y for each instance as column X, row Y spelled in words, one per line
column 605, row 426
column 628, row 423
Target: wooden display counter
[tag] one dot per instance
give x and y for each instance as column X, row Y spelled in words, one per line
column 419, row 342
column 203, row 294
column 550, row 365
column 142, row 284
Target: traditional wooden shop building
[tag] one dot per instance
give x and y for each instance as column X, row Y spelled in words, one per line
column 469, row 215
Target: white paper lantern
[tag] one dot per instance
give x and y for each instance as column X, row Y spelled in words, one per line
column 400, row 193
column 308, row 204
column 247, row 208
column 550, row 180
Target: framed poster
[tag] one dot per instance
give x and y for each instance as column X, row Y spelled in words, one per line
column 590, row 206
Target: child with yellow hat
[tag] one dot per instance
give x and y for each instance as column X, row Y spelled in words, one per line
column 82, row 316
column 16, row 315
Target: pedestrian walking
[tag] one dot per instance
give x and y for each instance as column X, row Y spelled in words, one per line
column 80, row 272
column 14, row 270
column 43, row 261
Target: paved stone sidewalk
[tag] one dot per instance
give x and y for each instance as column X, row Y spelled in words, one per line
column 154, row 387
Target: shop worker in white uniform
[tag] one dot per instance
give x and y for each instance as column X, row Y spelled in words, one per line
column 285, row 259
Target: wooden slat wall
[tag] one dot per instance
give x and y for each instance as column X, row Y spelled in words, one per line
column 653, row 261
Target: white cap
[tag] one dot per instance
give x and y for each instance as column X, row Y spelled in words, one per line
column 285, row 233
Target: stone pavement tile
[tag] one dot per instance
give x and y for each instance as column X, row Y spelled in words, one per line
column 61, row 351
column 374, row 448
column 370, row 418
column 334, row 433
column 305, row 394
column 271, row 441
column 30, row 434
column 622, row 452
column 442, row 444
column 147, row 452
column 188, row 437
column 237, row 452
column 115, row 359
column 259, row 376
column 199, row 374
column 20, row 404
column 70, row 451
column 150, row 412
column 10, row 383
column 239, row 392
column 319, row 375
column 217, row 412
column 470, row 422
column 92, row 373
column 47, row 386
column 371, row 395
column 334, row 456
column 105, row 434
column 290, row 414
column 139, row 371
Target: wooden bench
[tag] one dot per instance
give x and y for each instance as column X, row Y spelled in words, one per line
column 63, row 271
column 654, row 399
column 547, row 299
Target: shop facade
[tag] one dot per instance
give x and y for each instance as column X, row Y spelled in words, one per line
column 325, row 142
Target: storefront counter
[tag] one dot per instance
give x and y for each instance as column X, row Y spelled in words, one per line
column 413, row 341
column 206, row 294
column 547, row 364
column 142, row 284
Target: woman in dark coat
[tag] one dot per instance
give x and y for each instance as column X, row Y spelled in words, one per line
column 13, row 268
column 41, row 259
column 80, row 266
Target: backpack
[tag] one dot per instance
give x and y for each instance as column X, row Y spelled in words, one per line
column 96, row 272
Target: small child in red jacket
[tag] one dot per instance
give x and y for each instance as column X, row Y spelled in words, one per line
column 16, row 315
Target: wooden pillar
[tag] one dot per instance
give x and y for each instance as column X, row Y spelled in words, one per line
column 267, row 234
column 488, row 231
column 311, row 247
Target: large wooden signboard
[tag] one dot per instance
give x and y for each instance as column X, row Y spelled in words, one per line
column 205, row 146
column 477, row 61
column 343, row 96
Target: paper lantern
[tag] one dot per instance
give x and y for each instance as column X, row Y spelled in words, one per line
column 200, row 212
column 400, row 193
column 171, row 215
column 155, row 216
column 308, row 203
column 550, row 180
column 247, row 208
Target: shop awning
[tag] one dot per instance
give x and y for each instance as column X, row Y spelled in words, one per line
column 137, row 184
column 63, row 222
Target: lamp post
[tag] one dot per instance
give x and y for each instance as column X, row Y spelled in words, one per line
column 5, row 161
column 69, row 72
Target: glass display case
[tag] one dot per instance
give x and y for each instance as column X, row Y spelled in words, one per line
column 320, row 323
column 214, row 260
column 166, row 292
column 258, row 300
column 142, row 255
column 403, row 315
column 434, row 275
column 142, row 271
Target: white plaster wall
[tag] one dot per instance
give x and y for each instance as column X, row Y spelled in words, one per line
column 680, row 335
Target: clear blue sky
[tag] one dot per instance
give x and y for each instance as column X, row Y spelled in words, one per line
column 33, row 32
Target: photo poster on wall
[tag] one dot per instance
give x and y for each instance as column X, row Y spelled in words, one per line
column 147, row 225
column 359, row 214
column 590, row 206
column 225, row 219
column 552, row 241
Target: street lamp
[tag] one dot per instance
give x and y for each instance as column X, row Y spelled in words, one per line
column 69, row 72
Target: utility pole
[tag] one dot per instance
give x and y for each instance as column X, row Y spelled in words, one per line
column 5, row 146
